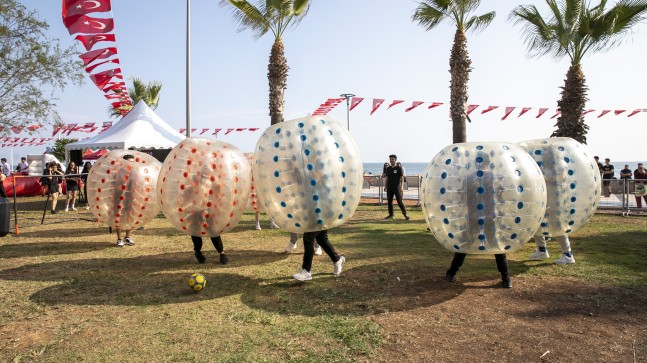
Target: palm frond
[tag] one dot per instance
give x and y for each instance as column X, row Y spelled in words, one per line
column 248, row 16
column 428, row 16
column 478, row 23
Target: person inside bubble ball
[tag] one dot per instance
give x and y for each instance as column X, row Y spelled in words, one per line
column 542, row 253
column 321, row 237
column 394, row 186
column 294, row 237
column 217, row 243
column 126, row 240
column 501, row 264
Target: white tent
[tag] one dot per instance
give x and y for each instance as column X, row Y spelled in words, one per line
column 140, row 129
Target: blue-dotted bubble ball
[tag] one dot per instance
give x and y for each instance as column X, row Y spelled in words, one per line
column 197, row 282
column 204, row 186
column 308, row 174
column 121, row 192
column 572, row 183
column 483, row 198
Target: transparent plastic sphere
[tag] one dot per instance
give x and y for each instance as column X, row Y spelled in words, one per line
column 483, row 198
column 572, row 183
column 308, row 173
column 204, row 186
column 121, row 193
column 253, row 203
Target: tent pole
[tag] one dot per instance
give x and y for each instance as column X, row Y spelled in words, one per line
column 188, row 68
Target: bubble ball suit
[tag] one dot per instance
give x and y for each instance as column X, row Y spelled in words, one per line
column 572, row 183
column 308, row 174
column 121, row 193
column 483, row 198
column 252, row 203
column 204, row 186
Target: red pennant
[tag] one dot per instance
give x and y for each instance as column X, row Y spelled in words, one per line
column 93, row 55
column 353, row 103
column 524, row 110
column 203, row 131
column 542, row 111
column 89, row 41
column 434, row 104
column 216, row 131
column 508, row 111
column 252, row 129
column 92, row 67
column 102, row 78
column 16, row 129
column 635, row 112
column 604, row 112
column 87, row 24
column 587, row 111
column 34, row 127
column 377, row 102
column 617, row 112
column 81, row 7
column 396, row 102
column 229, row 130
column 556, row 114
column 471, row 108
column 489, row 108
column 414, row 104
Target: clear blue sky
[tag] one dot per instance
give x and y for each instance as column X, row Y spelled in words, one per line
column 366, row 47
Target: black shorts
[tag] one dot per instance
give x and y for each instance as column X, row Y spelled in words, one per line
column 606, row 182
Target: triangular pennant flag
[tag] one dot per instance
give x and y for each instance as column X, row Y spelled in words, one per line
column 556, row 114
column 377, row 102
column 524, row 110
column 542, row 111
column 414, row 104
column 203, row 131
column 604, row 112
column 353, row 103
column 229, row 130
column 635, row 112
column 587, row 111
column 434, row 104
column 252, row 129
column 508, row 111
column 240, row 129
column 617, row 112
column 471, row 108
column 216, row 131
column 490, row 108
column 395, row 102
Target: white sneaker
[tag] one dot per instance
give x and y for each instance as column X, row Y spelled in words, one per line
column 74, row 208
column 274, row 225
column 67, row 209
column 564, row 260
column 120, row 243
column 337, row 266
column 129, row 241
column 87, row 207
column 538, row 255
column 258, row 226
column 303, row 275
column 289, row 247
column 318, row 250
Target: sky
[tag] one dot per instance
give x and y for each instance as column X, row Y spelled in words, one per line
column 369, row 48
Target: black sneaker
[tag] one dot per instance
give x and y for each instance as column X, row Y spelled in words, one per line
column 449, row 276
column 388, row 217
column 200, row 257
column 224, row 259
column 506, row 282
column 54, row 211
column 406, row 217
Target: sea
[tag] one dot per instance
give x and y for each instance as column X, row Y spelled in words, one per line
column 419, row 168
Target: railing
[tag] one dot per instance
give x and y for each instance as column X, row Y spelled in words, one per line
column 374, row 187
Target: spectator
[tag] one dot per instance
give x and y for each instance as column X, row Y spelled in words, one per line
column 23, row 167
column 607, row 174
column 71, row 185
column 84, row 178
column 52, row 179
column 640, row 176
column 3, row 193
column 394, row 186
column 6, row 169
column 597, row 161
column 625, row 175
column 321, row 237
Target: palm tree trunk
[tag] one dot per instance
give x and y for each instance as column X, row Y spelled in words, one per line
column 571, row 122
column 459, row 68
column 277, row 76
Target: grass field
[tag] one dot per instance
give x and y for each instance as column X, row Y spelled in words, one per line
column 68, row 294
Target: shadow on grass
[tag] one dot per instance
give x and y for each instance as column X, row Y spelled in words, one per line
column 50, row 248
column 69, row 232
column 143, row 280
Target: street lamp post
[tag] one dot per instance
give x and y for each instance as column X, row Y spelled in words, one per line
column 188, row 68
column 347, row 96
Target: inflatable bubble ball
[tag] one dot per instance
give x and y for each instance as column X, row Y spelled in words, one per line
column 483, row 198
column 308, row 174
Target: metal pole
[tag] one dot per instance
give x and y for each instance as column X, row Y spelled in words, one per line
column 188, row 68
column 347, row 96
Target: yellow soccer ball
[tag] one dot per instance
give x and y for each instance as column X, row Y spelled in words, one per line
column 197, row 282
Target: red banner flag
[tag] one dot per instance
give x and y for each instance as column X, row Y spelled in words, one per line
column 353, row 103
column 489, row 108
column 82, row 7
column 34, row 127
column 556, row 114
column 377, row 102
column 102, row 78
column 434, row 104
column 216, row 131
column 414, row 104
column 587, row 111
column 508, row 111
column 16, row 129
column 471, row 108
column 92, row 67
column 395, row 102
column 203, row 131
column 252, row 129
column 88, row 25
column 542, row 111
column 617, row 112
column 604, row 112
column 93, row 55
column 639, row 110
column 89, row 41
column 524, row 110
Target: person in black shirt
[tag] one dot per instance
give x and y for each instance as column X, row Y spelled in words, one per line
column 625, row 175
column 394, row 186
column 607, row 174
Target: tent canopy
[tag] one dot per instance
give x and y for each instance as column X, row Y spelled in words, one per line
column 140, row 129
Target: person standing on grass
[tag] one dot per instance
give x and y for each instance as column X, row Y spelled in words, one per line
column 394, row 186
column 52, row 179
column 217, row 243
column 126, row 240
column 625, row 175
column 542, row 253
column 640, row 177
column 84, row 178
column 71, row 185
column 321, row 237
column 294, row 237
column 607, row 174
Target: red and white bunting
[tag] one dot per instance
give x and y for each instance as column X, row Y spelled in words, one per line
column 471, row 108
column 542, row 110
column 414, row 104
column 524, row 110
column 353, row 103
column 604, row 112
column 395, row 102
column 377, row 102
column 489, row 108
column 508, row 111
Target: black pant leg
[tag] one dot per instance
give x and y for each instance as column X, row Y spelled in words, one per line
column 398, row 197
column 217, row 243
column 502, row 264
column 308, row 249
column 389, row 200
column 457, row 262
column 324, row 242
column 197, row 243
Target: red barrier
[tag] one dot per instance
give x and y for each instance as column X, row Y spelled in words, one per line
column 25, row 186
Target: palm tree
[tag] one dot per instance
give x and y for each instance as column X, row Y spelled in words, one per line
column 275, row 16
column 575, row 29
column 149, row 93
column 430, row 13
